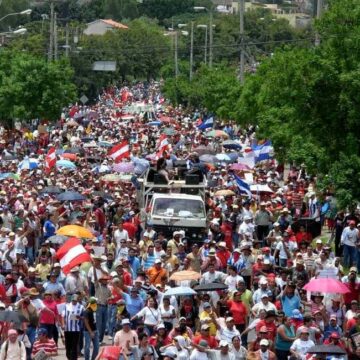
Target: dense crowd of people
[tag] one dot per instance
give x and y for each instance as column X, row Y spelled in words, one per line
column 257, row 253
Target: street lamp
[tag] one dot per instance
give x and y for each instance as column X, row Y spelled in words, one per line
column 191, row 45
column 16, row 32
column 203, row 8
column 24, row 12
column 20, row 31
column 203, row 26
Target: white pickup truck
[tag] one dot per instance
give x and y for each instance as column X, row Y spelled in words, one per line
column 170, row 212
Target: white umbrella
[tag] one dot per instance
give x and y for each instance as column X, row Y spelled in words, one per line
column 180, row 291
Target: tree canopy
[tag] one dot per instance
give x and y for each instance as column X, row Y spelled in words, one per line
column 32, row 88
column 306, row 100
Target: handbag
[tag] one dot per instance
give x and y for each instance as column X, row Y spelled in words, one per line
column 111, row 352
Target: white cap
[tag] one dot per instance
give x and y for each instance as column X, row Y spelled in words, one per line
column 223, row 343
column 264, row 342
column 125, row 322
column 263, row 281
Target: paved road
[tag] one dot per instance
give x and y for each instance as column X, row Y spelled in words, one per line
column 61, row 349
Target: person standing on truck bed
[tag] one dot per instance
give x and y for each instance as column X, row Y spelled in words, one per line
column 161, row 169
column 175, row 241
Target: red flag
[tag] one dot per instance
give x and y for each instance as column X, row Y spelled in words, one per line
column 50, row 159
column 120, row 151
column 162, row 145
column 71, row 254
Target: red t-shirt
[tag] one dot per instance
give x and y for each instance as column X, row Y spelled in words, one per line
column 130, row 228
column 271, row 328
column 212, row 342
column 353, row 294
column 47, row 317
column 226, row 229
column 223, row 256
column 303, row 236
column 238, row 311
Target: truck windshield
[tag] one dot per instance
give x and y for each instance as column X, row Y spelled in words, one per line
column 185, row 208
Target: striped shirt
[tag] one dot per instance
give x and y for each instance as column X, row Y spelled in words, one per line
column 148, row 261
column 48, row 346
column 73, row 316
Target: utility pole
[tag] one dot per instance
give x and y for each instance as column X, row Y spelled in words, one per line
column 55, row 38
column 211, row 39
column 67, row 41
column 191, row 50
column 176, row 55
column 242, row 50
column 319, row 8
column 51, row 40
column 206, row 44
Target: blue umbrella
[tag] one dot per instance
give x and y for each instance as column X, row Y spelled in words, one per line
column 65, row 164
column 101, row 169
column 4, row 176
column 180, row 291
column 231, row 144
column 105, row 144
column 28, row 164
column 207, row 158
column 154, row 123
column 71, row 196
column 228, row 157
column 87, row 139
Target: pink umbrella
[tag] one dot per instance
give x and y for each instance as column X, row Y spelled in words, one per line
column 239, row 167
column 124, row 167
column 326, row 286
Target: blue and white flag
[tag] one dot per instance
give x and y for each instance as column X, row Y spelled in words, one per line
column 243, row 186
column 208, row 123
column 264, row 151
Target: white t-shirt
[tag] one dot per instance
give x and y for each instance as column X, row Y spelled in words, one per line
column 291, row 246
column 226, row 334
column 120, row 235
column 231, row 281
column 151, row 316
column 301, row 347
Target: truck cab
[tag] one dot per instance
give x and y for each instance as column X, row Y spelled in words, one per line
column 177, row 205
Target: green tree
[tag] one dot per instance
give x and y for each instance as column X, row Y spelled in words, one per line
column 306, row 101
column 31, row 87
column 215, row 89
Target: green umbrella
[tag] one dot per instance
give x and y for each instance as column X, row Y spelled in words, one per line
column 169, row 131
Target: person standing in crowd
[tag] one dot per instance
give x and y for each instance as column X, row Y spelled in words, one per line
column 91, row 334
column 262, row 220
column 102, row 294
column 350, row 241
column 72, row 325
column 12, row 348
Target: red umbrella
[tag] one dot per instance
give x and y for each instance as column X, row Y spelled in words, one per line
column 69, row 156
column 326, row 286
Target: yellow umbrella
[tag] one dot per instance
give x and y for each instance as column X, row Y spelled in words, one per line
column 75, row 230
column 224, row 192
column 185, row 275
